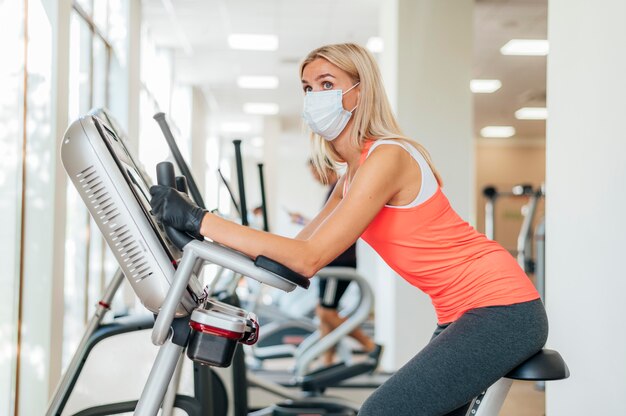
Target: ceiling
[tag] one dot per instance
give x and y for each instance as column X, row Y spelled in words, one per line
column 196, row 30
column 523, row 77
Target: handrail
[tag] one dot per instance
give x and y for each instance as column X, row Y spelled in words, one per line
column 313, row 347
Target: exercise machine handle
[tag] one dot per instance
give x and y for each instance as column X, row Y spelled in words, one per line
column 266, row 226
column 178, row 157
column 181, row 184
column 282, row 271
column 240, row 181
column 165, row 176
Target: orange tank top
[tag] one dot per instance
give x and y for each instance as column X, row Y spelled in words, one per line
column 432, row 248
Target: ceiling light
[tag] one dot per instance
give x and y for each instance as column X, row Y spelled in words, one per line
column 532, row 113
column 260, row 82
column 235, row 127
column 375, row 44
column 485, row 86
column 529, row 47
column 497, row 131
column 257, row 141
column 261, row 108
column 250, row 42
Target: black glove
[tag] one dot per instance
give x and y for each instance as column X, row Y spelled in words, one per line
column 175, row 209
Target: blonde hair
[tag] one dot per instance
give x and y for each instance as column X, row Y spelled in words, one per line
column 373, row 117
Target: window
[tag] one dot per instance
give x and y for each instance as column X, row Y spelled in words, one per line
column 11, row 157
column 89, row 264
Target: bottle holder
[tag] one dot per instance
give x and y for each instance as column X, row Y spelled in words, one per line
column 216, row 331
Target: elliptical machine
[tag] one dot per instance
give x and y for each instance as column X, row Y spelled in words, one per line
column 106, row 177
column 110, row 183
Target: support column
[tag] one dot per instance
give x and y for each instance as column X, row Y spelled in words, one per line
column 133, row 71
column 199, row 135
column 44, row 206
column 585, row 222
column 427, row 65
column 59, row 12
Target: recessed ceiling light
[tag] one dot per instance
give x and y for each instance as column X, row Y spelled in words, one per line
column 375, row 44
column 235, row 127
column 257, row 141
column 485, row 86
column 261, row 108
column 252, row 42
column 532, row 113
column 260, row 82
column 528, row 47
column 497, row 131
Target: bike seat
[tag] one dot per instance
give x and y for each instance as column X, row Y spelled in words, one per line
column 545, row 365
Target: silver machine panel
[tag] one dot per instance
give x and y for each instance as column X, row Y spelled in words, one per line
column 115, row 189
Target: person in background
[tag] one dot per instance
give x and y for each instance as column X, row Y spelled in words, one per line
column 332, row 289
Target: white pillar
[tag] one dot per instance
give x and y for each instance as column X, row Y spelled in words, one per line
column 44, row 209
column 585, row 222
column 199, row 134
column 133, row 70
column 59, row 13
column 427, row 68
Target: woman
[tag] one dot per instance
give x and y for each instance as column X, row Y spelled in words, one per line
column 490, row 317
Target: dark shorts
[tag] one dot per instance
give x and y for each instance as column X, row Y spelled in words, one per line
column 331, row 291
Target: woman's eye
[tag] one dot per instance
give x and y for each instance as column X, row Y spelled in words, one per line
column 327, row 85
column 308, row 88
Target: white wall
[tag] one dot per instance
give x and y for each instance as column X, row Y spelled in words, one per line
column 586, row 183
column 289, row 183
column 199, row 135
column 426, row 67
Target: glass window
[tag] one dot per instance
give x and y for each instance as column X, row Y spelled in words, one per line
column 89, row 264
column 80, row 71
column 37, row 252
column 100, row 73
column 118, row 29
column 101, row 16
column 87, row 5
column 11, row 140
column 77, row 219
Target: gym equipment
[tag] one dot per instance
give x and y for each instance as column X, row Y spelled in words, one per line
column 106, row 176
column 524, row 239
column 107, row 179
column 271, row 344
column 311, row 383
column 98, row 163
column 178, row 157
column 266, row 226
column 546, row 365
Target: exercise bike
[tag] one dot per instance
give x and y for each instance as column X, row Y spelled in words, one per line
column 106, row 177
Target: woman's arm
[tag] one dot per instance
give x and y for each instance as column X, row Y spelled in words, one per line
column 338, row 226
column 329, row 207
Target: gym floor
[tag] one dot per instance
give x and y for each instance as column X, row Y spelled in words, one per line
column 524, row 399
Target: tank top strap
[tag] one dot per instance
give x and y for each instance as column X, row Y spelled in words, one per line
column 429, row 183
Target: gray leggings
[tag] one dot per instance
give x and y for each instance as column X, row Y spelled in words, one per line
column 461, row 360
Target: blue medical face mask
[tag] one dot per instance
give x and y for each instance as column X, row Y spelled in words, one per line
column 324, row 112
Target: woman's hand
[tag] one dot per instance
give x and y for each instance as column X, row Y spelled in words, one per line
column 175, row 209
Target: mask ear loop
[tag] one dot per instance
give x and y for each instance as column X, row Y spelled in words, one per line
column 350, row 89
